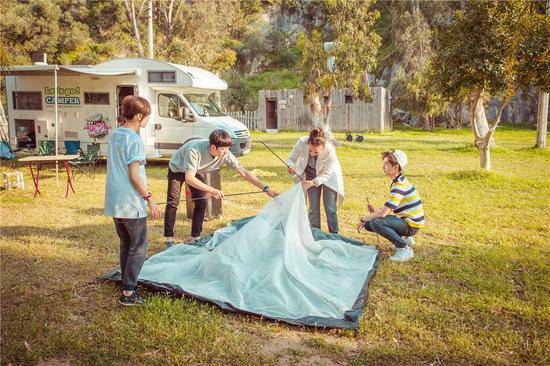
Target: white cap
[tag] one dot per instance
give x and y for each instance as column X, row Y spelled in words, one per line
column 401, row 158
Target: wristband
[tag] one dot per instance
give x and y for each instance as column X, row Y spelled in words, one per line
column 148, row 196
column 265, row 189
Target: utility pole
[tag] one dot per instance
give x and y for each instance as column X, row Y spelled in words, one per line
column 151, row 53
column 542, row 110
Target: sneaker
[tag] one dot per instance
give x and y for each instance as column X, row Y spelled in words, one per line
column 408, row 239
column 402, row 254
column 133, row 300
column 193, row 239
column 169, row 243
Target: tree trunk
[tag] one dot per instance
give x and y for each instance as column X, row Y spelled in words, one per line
column 481, row 123
column 425, row 122
column 480, row 127
column 415, row 6
column 316, row 112
column 217, row 94
column 542, row 120
column 478, row 119
column 485, row 143
column 474, row 99
column 485, row 150
column 132, row 17
column 485, row 157
column 319, row 116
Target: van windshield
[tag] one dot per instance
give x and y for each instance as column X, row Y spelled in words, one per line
column 204, row 105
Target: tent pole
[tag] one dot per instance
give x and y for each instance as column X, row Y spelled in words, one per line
column 56, row 128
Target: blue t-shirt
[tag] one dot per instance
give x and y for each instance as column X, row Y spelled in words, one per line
column 121, row 199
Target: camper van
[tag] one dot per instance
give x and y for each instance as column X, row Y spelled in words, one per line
column 89, row 99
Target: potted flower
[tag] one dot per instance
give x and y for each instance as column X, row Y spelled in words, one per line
column 97, row 126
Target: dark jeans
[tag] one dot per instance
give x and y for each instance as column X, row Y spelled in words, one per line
column 133, row 249
column 392, row 228
column 175, row 182
column 329, row 202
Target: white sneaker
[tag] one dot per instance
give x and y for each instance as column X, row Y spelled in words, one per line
column 402, row 254
column 408, row 239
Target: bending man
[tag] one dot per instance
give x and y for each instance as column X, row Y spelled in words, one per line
column 190, row 164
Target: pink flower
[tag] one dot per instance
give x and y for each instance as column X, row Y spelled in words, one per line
column 97, row 128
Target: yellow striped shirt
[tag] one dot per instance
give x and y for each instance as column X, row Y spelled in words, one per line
column 405, row 202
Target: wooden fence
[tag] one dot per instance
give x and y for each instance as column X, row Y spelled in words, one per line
column 249, row 118
column 348, row 114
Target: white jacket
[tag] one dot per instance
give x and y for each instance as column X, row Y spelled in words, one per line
column 328, row 167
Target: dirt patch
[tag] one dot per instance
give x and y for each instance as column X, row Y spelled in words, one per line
column 293, row 348
column 55, row 362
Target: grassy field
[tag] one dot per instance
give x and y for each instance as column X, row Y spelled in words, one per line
column 477, row 291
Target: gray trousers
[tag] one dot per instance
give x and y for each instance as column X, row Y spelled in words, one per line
column 329, row 202
column 133, row 249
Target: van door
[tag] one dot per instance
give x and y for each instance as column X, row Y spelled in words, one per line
column 121, row 92
column 175, row 124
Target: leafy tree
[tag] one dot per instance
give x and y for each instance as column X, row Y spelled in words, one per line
column 242, row 93
column 67, row 31
column 491, row 48
column 349, row 25
column 413, row 89
column 197, row 33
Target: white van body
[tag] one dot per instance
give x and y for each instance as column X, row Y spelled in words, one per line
column 182, row 109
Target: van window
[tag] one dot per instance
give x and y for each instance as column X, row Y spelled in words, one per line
column 204, row 105
column 96, row 98
column 27, row 100
column 162, row 76
column 171, row 106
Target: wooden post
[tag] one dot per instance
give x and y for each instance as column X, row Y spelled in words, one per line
column 542, row 120
column 542, row 111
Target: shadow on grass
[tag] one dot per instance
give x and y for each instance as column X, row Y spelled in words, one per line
column 89, row 239
column 535, row 151
column 495, row 179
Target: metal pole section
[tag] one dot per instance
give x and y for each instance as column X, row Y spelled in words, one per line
column 56, row 128
column 150, row 29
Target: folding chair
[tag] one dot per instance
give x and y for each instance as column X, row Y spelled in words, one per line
column 46, row 147
column 86, row 164
column 72, row 147
column 6, row 151
column 7, row 154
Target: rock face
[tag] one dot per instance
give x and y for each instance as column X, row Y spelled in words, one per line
column 521, row 109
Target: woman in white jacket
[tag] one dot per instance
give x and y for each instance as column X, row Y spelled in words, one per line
column 315, row 161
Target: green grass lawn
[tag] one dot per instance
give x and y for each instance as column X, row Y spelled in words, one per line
column 477, row 291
